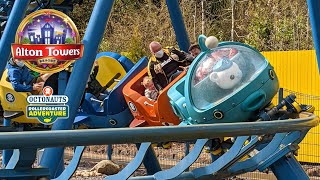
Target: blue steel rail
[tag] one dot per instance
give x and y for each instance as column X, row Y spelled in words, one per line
column 62, row 138
column 294, row 129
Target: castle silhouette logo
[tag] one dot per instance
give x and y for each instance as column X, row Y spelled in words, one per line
column 47, row 41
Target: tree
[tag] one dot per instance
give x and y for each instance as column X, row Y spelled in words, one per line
column 25, row 40
column 69, row 41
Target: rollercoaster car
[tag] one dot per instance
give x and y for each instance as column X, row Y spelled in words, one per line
column 228, row 83
column 145, row 111
column 113, row 110
column 110, row 64
column 13, row 103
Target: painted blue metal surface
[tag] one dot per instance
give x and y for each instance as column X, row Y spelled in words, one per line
column 266, row 156
column 252, row 163
column 79, row 76
column 185, row 163
column 178, row 24
column 223, row 164
column 42, row 139
column 22, row 160
column 6, row 153
column 25, row 174
column 187, row 151
column 109, row 151
column 16, row 15
column 113, row 111
column 110, row 54
column 128, row 135
column 288, row 168
column 13, row 160
column 72, row 166
column 133, row 165
column 27, row 156
column 223, row 160
column 278, row 155
column 62, row 82
column 121, row 119
column 150, row 161
column 314, row 14
column 244, row 151
column 116, row 94
column 126, row 63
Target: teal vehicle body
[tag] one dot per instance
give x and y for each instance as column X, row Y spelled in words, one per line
column 226, row 84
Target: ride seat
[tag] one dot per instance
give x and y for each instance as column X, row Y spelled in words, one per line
column 115, row 101
column 13, row 103
column 145, row 111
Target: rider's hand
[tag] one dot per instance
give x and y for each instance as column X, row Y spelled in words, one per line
column 95, row 63
column 184, row 68
column 37, row 86
column 157, row 68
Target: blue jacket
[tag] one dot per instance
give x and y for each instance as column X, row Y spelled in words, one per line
column 20, row 78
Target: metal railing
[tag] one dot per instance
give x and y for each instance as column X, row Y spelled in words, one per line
column 149, row 134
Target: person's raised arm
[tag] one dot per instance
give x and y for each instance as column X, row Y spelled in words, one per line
column 14, row 78
column 46, row 76
column 153, row 74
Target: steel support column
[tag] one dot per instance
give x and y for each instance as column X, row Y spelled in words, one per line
column 314, row 6
column 6, row 153
column 9, row 33
column 288, row 168
column 79, row 76
column 178, row 24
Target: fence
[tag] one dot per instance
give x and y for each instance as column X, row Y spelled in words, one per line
column 297, row 72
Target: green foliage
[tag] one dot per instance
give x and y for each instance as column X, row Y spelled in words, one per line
column 266, row 25
column 69, row 41
column 135, row 50
column 260, row 31
column 25, row 40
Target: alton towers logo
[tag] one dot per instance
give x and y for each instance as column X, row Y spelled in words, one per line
column 47, row 41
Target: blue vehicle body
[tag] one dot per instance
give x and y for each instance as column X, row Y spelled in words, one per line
column 113, row 111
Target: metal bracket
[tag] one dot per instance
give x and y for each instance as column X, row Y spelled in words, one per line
column 133, row 165
column 185, row 163
column 72, row 167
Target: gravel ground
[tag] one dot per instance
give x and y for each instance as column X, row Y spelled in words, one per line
column 122, row 154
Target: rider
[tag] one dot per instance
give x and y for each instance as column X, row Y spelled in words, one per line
column 22, row 80
column 164, row 64
column 93, row 86
column 194, row 50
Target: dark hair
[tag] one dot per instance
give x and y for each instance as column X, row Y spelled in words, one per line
column 194, row 46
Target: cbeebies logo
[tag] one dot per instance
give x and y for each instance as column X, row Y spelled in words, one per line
column 47, row 41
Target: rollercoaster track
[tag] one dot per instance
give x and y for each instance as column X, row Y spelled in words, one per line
column 151, row 134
